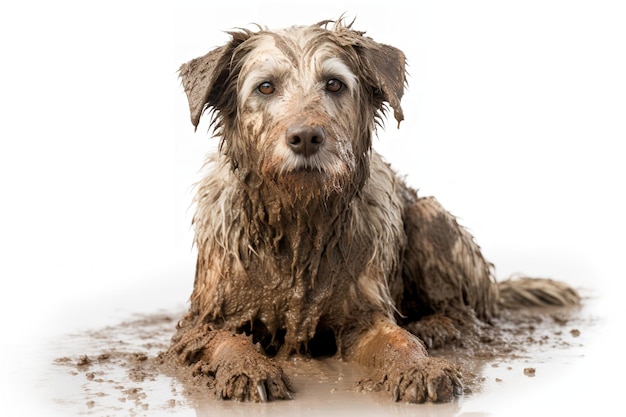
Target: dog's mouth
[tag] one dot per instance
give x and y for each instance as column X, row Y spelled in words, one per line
column 309, row 169
column 326, row 167
column 314, row 164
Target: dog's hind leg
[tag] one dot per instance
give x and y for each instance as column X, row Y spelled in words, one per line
column 449, row 288
column 448, row 285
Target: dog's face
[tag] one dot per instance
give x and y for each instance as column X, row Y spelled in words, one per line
column 296, row 98
column 299, row 104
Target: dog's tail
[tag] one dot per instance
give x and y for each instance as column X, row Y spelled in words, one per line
column 520, row 292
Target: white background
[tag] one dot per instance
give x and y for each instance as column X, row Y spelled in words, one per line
column 514, row 121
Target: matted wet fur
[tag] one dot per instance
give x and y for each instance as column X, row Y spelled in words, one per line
column 308, row 242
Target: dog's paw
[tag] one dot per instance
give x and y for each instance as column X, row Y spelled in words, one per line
column 230, row 365
column 430, row 379
column 254, row 378
column 435, row 331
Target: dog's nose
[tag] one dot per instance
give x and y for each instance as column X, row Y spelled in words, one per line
column 305, row 140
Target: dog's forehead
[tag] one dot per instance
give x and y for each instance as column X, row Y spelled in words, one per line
column 297, row 60
column 299, row 44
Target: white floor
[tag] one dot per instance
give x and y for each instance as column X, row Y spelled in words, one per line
column 577, row 380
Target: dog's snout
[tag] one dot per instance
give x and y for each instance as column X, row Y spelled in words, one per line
column 305, row 140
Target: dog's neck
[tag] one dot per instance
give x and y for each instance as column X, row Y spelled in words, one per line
column 295, row 220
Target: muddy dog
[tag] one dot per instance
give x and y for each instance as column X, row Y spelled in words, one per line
column 308, row 242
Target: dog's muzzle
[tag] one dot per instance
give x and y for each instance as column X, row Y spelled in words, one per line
column 305, row 140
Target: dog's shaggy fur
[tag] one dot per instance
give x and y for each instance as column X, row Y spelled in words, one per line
column 308, row 242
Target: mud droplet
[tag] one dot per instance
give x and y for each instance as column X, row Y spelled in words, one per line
column 83, row 361
column 575, row 332
column 529, row 372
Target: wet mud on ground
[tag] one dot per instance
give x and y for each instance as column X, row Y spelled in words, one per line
column 115, row 371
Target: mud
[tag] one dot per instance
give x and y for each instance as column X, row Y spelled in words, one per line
column 118, row 370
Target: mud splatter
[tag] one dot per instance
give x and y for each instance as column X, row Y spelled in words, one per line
column 116, row 369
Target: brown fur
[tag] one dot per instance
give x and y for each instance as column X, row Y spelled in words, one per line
column 329, row 253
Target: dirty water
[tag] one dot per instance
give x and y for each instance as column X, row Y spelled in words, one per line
column 112, row 370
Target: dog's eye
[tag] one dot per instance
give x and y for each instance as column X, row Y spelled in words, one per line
column 334, row 85
column 266, row 88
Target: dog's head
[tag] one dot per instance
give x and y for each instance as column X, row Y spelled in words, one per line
column 299, row 103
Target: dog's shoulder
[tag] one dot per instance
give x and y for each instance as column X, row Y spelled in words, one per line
column 384, row 187
column 380, row 205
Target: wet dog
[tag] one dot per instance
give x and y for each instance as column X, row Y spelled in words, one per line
column 308, row 242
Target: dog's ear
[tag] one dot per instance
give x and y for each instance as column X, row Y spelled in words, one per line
column 382, row 66
column 385, row 67
column 204, row 78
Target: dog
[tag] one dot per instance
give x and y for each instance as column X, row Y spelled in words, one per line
column 308, row 242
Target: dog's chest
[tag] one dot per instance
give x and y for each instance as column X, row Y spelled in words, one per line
column 291, row 292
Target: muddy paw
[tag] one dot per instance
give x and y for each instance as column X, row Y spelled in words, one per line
column 232, row 366
column 435, row 331
column 432, row 379
column 249, row 377
column 253, row 378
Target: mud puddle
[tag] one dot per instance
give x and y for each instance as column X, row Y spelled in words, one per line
column 114, row 371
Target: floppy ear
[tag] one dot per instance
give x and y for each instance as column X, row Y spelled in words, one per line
column 204, row 78
column 385, row 67
column 199, row 76
column 382, row 66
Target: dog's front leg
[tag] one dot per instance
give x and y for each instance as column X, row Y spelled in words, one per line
column 231, row 364
column 400, row 365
